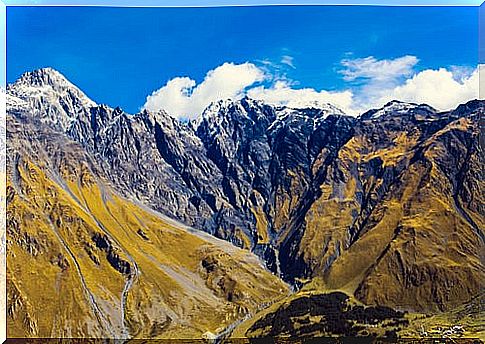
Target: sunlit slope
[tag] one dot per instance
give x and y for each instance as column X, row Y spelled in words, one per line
column 84, row 262
column 469, row 316
column 399, row 220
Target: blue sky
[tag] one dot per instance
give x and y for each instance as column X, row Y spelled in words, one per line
column 119, row 56
column 198, row 3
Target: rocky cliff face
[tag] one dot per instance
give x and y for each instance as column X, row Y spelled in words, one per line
column 390, row 198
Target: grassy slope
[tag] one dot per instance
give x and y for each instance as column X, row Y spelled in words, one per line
column 62, row 284
column 414, row 240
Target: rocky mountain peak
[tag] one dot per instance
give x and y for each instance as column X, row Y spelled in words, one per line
column 47, row 80
column 258, row 114
column 396, row 107
column 161, row 116
column 48, row 95
column 245, row 109
column 42, row 77
column 324, row 107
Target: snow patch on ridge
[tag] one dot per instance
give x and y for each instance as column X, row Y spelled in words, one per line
column 394, row 108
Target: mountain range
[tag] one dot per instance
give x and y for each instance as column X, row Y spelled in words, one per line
column 142, row 225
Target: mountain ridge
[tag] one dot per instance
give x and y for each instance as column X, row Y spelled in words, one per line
column 392, row 196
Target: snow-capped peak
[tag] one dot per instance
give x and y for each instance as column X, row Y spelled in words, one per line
column 47, row 94
column 47, row 80
column 395, row 107
column 326, row 108
column 315, row 112
column 253, row 108
column 42, row 77
column 245, row 108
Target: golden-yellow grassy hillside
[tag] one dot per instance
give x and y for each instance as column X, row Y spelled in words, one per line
column 83, row 262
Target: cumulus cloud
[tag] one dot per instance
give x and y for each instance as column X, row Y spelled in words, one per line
column 439, row 88
column 183, row 98
column 282, row 93
column 384, row 80
column 371, row 84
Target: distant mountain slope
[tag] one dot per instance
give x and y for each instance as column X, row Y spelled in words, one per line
column 386, row 207
column 401, row 207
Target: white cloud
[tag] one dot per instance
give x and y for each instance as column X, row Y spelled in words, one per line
column 372, row 83
column 441, row 89
column 481, row 81
column 384, row 80
column 281, row 93
column 369, row 77
column 183, row 98
column 378, row 70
